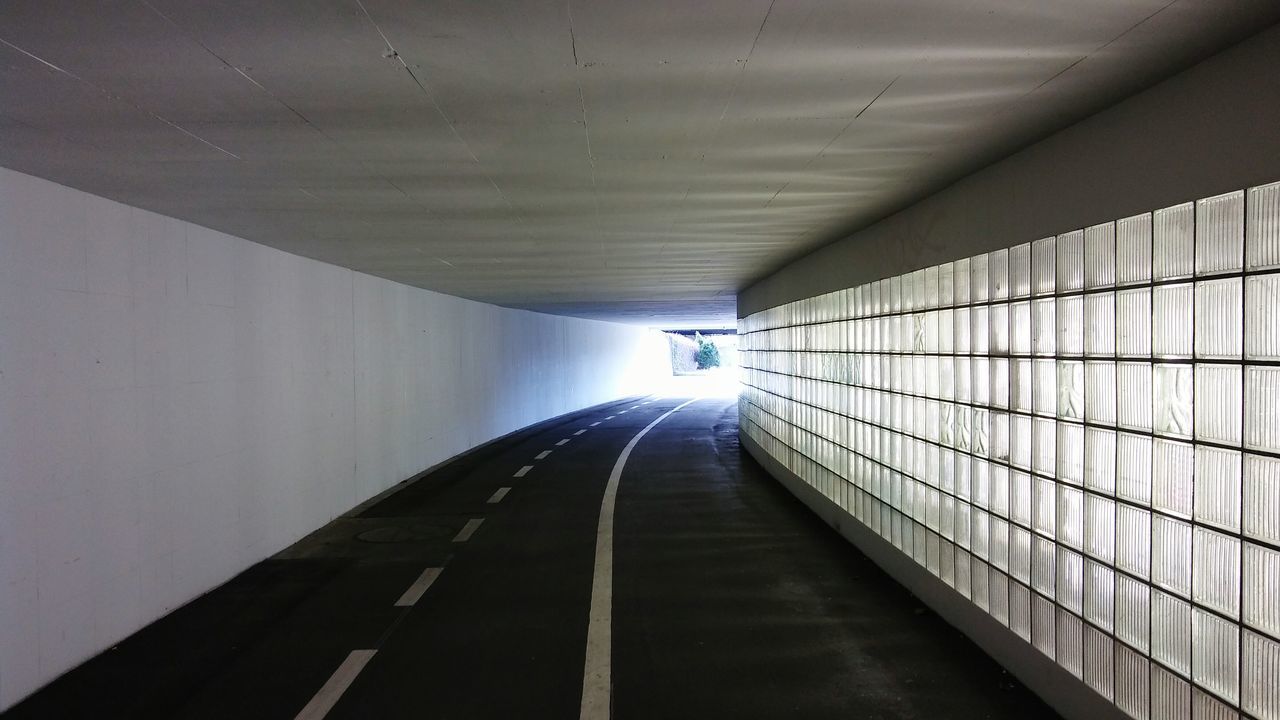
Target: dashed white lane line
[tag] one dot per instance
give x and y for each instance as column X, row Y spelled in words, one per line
column 542, row 455
column 611, row 417
column 633, row 407
column 332, row 690
column 622, row 412
column 468, row 530
column 523, row 471
column 580, row 431
column 497, row 496
column 563, row 442
column 597, row 673
column 595, row 423
column 419, row 586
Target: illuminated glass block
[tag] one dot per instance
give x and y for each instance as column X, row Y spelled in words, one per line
column 961, row 330
column 1100, row 392
column 1044, row 509
column 1218, row 412
column 1020, row 611
column 1218, row 487
column 1133, row 694
column 1173, row 242
column 1044, row 442
column 1133, row 468
column 1215, row 560
column 1070, row 519
column 1262, row 244
column 1262, row 408
column 1261, row 517
column 999, row 329
column 1133, row 249
column 1171, row 470
column 1100, row 527
column 1171, row 554
column 998, row 593
column 1021, row 382
column 1206, row 707
column 1042, row 266
column 946, row 331
column 1134, row 382
column 1215, row 660
column 1100, row 256
column 1100, row 460
column 1070, row 403
column 1133, row 323
column 998, row 274
column 1172, row 387
column 1133, row 612
column 979, row 283
column 1172, row 320
column 1170, row 695
column 1045, row 389
column 1100, row 324
column 1220, row 233
column 1260, row 681
column 1070, row 643
column 978, row 577
column 894, row 286
column 1044, row 328
column 1070, row 453
column 1043, row 625
column 1262, row 331
column 1219, row 314
column 946, row 285
column 1020, row 270
column 1070, row 322
column 1020, row 443
column 998, row 542
column 1070, row 261
column 962, row 275
column 1020, row 497
column 1171, row 632
column 1099, row 662
column 1261, row 576
column 1020, row 328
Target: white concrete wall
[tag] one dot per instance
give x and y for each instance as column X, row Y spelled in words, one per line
column 177, row 404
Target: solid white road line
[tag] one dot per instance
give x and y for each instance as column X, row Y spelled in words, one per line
column 596, row 672
column 419, row 586
column 563, row 442
column 595, row 423
column 337, row 684
column 497, row 496
column 468, row 530
column 542, row 455
column 523, row 471
column 580, row 431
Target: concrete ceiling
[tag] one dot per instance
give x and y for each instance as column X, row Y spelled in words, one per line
column 635, row 161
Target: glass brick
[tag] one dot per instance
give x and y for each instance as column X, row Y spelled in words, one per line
column 1133, row 612
column 1261, row 517
column 1261, row 576
column 1070, row 520
column 1020, row 611
column 1020, row 441
column 1020, row 385
column 1100, row 324
column 1070, row 322
column 961, row 331
column 1133, row 468
column 1171, row 554
column 1020, row 498
column 1218, row 412
column 979, row 284
column 1215, row 654
column 1100, row 527
column 1020, row 270
column 1171, row 632
column 1044, row 443
column 1262, row 227
column 1070, row 453
column 1100, row 460
column 1219, row 330
column 1100, row 392
column 1070, row 389
column 1134, row 382
column 1044, row 571
column 962, row 277
column 979, row 331
column 1100, row 256
column 1218, row 481
column 1042, row 266
column 1045, row 390
column 1043, row 625
column 1070, row 261
column 1133, row 694
column 1171, row 333
column 1133, row 540
column 1171, row 469
column 998, row 593
column 1133, row 323
column 1099, row 659
column 1220, row 233
column 1170, row 695
column 1262, row 408
column 1172, row 387
column 1262, row 319
column 998, row 274
column 1000, row 383
column 1215, row 561
column 1070, row 643
column 999, row 324
column 1207, row 707
column 1260, row 684
column 1044, row 328
column 1173, row 242
column 1020, row 328
column 1044, row 511
column 1133, row 249
column 946, row 285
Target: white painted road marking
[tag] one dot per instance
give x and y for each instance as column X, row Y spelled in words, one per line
column 633, row 407
column 563, row 442
column 523, row 471
column 337, row 684
column 419, row 586
column 611, row 417
column 542, row 455
column 497, row 496
column 596, row 672
column 468, row 530
column 595, row 423
column 580, row 431
column 623, row 412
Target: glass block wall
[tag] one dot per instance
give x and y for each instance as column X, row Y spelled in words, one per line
column 1080, row 434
